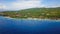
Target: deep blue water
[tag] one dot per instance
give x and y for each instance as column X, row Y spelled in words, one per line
column 19, row 26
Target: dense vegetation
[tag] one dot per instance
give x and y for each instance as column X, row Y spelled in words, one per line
column 51, row 13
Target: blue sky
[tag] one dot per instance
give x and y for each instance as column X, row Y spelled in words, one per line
column 25, row 4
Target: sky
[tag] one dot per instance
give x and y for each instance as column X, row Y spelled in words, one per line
column 25, row 4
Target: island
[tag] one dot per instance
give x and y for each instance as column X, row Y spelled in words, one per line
column 40, row 13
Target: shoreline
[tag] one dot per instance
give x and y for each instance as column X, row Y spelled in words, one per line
column 30, row 18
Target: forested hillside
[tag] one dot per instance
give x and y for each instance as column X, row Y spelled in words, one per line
column 50, row 13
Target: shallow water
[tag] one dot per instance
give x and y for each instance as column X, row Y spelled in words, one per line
column 20, row 26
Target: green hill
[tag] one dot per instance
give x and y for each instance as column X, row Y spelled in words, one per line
column 34, row 13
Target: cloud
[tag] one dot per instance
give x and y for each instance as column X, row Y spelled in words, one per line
column 2, row 6
column 21, row 4
column 28, row 0
column 26, row 4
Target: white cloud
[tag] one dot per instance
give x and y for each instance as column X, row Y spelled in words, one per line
column 22, row 4
column 28, row 0
column 26, row 4
column 2, row 6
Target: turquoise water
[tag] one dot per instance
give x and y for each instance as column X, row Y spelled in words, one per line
column 20, row 26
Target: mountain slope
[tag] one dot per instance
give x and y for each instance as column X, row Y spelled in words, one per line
column 34, row 13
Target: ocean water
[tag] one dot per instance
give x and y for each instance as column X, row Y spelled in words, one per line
column 20, row 26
